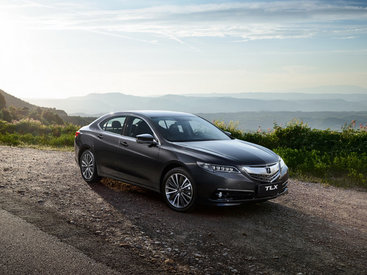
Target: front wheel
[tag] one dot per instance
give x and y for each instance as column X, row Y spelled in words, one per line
column 179, row 190
column 88, row 167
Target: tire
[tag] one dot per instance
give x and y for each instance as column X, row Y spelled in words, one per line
column 179, row 190
column 88, row 167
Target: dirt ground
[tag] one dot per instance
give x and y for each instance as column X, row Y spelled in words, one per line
column 314, row 229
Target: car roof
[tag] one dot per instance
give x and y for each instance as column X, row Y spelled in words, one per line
column 153, row 113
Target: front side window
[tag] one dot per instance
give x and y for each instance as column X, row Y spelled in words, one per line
column 188, row 128
column 114, row 125
column 137, row 126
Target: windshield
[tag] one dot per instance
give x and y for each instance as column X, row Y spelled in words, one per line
column 188, row 128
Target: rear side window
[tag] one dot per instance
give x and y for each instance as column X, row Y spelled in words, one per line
column 114, row 125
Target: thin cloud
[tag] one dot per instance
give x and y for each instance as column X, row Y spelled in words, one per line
column 238, row 21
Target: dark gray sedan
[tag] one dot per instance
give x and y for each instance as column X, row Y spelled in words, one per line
column 182, row 156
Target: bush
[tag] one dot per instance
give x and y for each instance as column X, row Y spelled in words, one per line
column 9, row 139
column 62, row 141
column 338, row 158
column 33, row 132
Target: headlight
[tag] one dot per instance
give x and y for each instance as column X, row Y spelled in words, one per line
column 217, row 168
column 281, row 163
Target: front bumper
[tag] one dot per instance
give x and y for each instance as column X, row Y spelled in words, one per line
column 233, row 199
column 224, row 189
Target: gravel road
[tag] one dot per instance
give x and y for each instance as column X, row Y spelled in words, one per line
column 315, row 229
column 39, row 252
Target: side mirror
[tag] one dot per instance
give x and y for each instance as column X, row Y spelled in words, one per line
column 228, row 133
column 146, row 139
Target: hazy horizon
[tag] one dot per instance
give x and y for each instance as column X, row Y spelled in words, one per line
column 332, row 90
column 59, row 49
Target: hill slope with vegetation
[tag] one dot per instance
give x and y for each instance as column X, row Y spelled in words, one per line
column 14, row 101
column 15, row 109
column 26, row 124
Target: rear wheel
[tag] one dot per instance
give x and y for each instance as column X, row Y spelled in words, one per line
column 88, row 167
column 179, row 190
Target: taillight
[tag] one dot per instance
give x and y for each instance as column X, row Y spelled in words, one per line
column 77, row 134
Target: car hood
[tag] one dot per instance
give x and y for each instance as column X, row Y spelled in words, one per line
column 238, row 151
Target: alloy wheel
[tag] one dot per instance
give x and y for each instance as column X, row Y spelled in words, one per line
column 87, row 165
column 179, row 191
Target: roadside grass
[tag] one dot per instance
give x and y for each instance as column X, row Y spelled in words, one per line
column 48, row 148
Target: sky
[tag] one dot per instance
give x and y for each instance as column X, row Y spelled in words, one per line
column 58, row 49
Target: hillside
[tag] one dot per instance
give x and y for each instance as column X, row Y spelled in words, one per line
column 16, row 102
column 12, row 101
column 24, row 109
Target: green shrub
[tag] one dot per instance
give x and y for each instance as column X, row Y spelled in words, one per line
column 334, row 157
column 9, row 139
column 33, row 132
column 62, row 141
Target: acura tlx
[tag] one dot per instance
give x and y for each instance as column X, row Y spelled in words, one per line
column 182, row 156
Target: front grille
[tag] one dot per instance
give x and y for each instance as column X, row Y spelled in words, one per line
column 263, row 173
column 265, row 178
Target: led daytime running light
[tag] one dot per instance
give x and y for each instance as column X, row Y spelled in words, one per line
column 217, row 167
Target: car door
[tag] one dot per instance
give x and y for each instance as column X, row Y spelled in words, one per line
column 107, row 145
column 138, row 162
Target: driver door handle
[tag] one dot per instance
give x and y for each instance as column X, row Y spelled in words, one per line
column 123, row 143
column 100, row 136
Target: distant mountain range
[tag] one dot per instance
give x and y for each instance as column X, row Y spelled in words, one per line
column 262, row 110
column 252, row 121
column 348, row 93
column 96, row 104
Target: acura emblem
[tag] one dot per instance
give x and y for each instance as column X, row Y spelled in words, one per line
column 268, row 170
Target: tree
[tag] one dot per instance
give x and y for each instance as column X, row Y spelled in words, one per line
column 36, row 114
column 6, row 115
column 14, row 112
column 50, row 117
column 24, row 112
column 2, row 102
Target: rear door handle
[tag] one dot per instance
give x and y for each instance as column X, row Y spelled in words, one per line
column 123, row 143
column 100, row 136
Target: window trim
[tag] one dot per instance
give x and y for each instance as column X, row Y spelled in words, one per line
column 111, row 118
